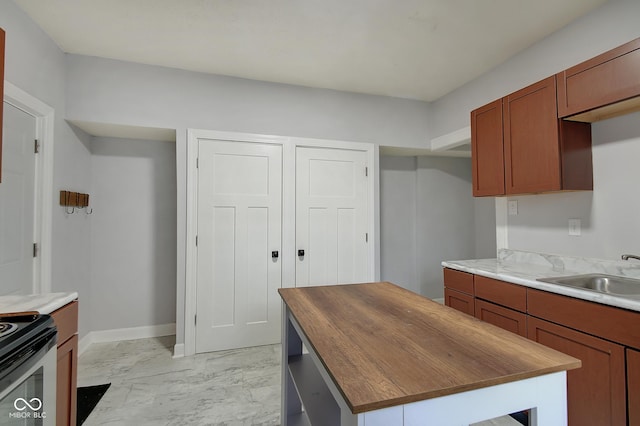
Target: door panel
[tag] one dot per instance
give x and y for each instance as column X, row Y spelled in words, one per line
column 17, row 202
column 633, row 386
column 331, row 216
column 596, row 391
column 239, row 225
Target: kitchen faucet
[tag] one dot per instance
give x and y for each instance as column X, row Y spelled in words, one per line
column 630, row 256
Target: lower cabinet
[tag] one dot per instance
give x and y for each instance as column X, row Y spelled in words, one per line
column 606, row 390
column 508, row 319
column 596, row 392
column 459, row 301
column 633, row 386
column 66, row 320
column 66, row 383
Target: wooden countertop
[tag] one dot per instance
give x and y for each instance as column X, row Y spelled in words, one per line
column 384, row 346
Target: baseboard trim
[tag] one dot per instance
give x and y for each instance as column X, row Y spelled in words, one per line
column 440, row 300
column 119, row 334
column 178, row 350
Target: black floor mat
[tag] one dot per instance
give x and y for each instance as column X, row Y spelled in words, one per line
column 88, row 398
column 521, row 417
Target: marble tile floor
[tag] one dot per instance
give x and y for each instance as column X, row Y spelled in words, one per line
column 148, row 387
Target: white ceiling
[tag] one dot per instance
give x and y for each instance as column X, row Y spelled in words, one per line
column 418, row 49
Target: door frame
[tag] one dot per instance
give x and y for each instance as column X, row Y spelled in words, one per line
column 43, row 206
column 289, row 145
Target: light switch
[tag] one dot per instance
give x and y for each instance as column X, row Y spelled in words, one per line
column 512, row 206
column 574, row 227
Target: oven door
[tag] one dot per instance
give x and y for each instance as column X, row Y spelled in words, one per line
column 28, row 384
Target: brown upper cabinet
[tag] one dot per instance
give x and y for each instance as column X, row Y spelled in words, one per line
column 602, row 87
column 487, row 150
column 2, row 36
column 529, row 149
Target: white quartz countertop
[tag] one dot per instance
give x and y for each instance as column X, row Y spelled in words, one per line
column 525, row 268
column 42, row 303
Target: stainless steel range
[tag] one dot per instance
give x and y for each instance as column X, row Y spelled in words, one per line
column 27, row 370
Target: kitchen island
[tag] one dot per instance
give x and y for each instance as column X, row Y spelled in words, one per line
column 381, row 355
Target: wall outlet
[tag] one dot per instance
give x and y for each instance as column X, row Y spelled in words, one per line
column 574, row 227
column 512, row 207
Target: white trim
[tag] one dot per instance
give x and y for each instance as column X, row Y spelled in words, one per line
column 178, row 350
column 374, row 214
column 120, row 334
column 44, row 115
column 439, row 300
column 289, row 145
column 190, row 255
column 502, row 228
column 451, row 140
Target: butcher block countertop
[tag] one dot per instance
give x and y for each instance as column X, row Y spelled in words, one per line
column 384, row 346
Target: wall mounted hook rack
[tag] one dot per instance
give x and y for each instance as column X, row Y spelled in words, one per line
column 75, row 200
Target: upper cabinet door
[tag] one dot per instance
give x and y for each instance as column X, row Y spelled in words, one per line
column 531, row 143
column 602, row 87
column 487, row 150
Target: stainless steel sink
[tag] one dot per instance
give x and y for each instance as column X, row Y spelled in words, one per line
column 607, row 284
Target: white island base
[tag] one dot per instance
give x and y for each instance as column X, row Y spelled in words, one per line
column 310, row 397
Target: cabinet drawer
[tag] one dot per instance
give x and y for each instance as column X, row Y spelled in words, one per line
column 457, row 280
column 507, row 319
column 607, row 322
column 459, row 301
column 66, row 320
column 506, row 294
column 606, row 79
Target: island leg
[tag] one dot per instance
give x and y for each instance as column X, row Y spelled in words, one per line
column 291, row 346
column 552, row 408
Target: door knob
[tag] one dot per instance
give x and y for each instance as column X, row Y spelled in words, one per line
column 301, row 253
column 274, row 254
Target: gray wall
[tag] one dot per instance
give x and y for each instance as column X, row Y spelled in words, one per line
column 398, row 242
column 109, row 91
column 609, row 213
column 36, row 65
column 609, row 26
column 427, row 215
column 133, row 233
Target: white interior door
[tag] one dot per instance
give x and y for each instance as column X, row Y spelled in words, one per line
column 331, row 216
column 239, row 228
column 17, row 202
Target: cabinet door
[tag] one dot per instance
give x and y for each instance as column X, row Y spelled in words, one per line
column 633, row 386
column 599, row 82
column 67, row 382
column 459, row 301
column 507, row 319
column 596, row 391
column 487, row 150
column 531, row 140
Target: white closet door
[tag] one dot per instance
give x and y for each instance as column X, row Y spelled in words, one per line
column 331, row 216
column 17, row 202
column 239, row 228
